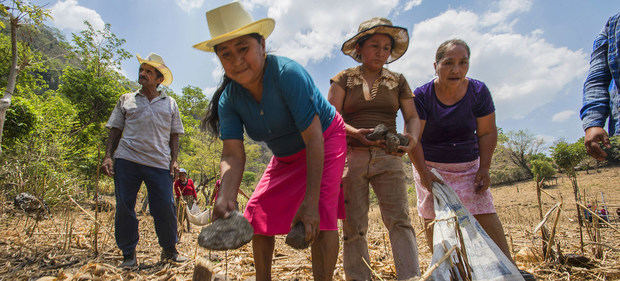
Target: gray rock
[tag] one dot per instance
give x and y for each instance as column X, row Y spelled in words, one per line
column 391, row 143
column 296, row 238
column 226, row 234
column 378, row 134
column 31, row 205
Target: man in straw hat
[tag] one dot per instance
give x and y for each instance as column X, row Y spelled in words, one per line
column 275, row 100
column 144, row 143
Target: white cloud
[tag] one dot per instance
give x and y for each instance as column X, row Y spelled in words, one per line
column 564, row 115
column 188, row 5
column 314, row 30
column 505, row 9
column 547, row 139
column 69, row 15
column 412, row 3
column 523, row 71
column 208, row 91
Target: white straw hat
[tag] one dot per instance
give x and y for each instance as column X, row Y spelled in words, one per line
column 157, row 62
column 231, row 21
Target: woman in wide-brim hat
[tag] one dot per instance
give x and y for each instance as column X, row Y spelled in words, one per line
column 368, row 95
column 276, row 101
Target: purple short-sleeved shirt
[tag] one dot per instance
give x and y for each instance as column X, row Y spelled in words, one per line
column 450, row 131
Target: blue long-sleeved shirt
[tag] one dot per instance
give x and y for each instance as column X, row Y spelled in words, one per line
column 600, row 96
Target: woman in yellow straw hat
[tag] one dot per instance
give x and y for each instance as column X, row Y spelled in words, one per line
column 276, row 101
column 368, row 95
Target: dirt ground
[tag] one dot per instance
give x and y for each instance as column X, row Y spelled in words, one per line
column 62, row 246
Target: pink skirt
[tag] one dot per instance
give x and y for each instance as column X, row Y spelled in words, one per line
column 459, row 176
column 282, row 188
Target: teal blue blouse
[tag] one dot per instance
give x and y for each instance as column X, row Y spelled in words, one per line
column 289, row 103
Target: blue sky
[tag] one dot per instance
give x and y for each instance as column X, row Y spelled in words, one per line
column 533, row 54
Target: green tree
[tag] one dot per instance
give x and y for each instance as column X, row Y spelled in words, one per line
column 41, row 162
column 18, row 12
column 21, row 119
column 520, row 146
column 193, row 102
column 542, row 169
column 567, row 156
column 93, row 87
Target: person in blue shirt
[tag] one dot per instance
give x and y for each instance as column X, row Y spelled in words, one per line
column 274, row 100
column 600, row 91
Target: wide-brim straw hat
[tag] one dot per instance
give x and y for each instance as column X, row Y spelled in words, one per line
column 157, row 62
column 374, row 26
column 231, row 21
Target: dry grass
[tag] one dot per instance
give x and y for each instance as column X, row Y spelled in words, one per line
column 49, row 252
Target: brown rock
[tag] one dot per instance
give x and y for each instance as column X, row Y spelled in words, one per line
column 226, row 233
column 378, row 134
column 202, row 271
column 391, row 143
column 404, row 141
column 296, row 238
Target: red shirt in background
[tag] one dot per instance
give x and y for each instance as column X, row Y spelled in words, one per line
column 187, row 189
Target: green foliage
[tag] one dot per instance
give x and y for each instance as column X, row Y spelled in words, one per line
column 93, row 88
column 99, row 50
column 613, row 153
column 42, row 162
column 248, row 178
column 520, row 146
column 542, row 168
column 193, row 102
column 31, row 66
column 567, row 156
column 93, row 94
column 21, row 118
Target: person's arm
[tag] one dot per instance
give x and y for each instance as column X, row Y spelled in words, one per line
column 596, row 100
column 487, row 140
column 231, row 167
column 417, row 158
column 177, row 188
column 111, row 144
column 335, row 96
column 174, row 153
column 308, row 212
column 191, row 184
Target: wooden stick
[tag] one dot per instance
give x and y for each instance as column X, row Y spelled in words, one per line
column 89, row 215
column 604, row 245
column 543, row 191
column 597, row 216
column 425, row 228
column 96, row 226
column 555, row 224
column 544, row 219
column 430, row 270
column 461, row 250
column 371, row 270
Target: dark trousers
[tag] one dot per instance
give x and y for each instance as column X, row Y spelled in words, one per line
column 128, row 176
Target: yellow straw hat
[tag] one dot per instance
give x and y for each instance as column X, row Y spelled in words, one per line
column 231, row 21
column 157, row 62
column 374, row 26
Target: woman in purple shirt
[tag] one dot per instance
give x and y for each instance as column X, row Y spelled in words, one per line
column 459, row 135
